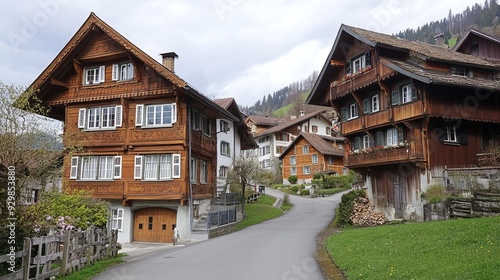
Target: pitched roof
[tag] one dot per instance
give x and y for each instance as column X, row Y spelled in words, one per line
column 224, row 102
column 264, row 121
column 320, row 143
column 428, row 76
column 287, row 124
column 64, row 60
column 479, row 33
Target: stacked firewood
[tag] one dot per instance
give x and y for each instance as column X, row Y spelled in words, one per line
column 363, row 214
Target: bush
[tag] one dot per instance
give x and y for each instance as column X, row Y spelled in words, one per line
column 317, row 176
column 304, row 192
column 294, row 189
column 293, row 179
column 435, row 193
column 345, row 207
column 338, row 181
column 277, row 186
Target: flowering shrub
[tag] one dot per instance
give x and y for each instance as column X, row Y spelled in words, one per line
column 350, row 76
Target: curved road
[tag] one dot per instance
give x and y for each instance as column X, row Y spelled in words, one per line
column 281, row 248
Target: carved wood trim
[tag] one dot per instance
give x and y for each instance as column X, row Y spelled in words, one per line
column 59, row 83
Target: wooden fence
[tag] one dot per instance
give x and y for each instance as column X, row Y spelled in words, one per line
column 47, row 256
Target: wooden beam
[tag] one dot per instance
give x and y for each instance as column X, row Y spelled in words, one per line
column 337, row 63
column 59, row 83
column 408, row 125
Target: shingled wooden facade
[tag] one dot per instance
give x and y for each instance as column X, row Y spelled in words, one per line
column 146, row 139
column 407, row 110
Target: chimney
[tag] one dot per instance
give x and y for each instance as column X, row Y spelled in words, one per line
column 168, row 60
column 439, row 39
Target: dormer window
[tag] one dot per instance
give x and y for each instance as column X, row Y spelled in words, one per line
column 123, row 72
column 458, row 71
column 358, row 63
column 93, row 75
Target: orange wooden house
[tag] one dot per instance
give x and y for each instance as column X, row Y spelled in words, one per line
column 147, row 138
column 311, row 153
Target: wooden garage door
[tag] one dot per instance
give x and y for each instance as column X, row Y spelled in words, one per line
column 154, row 225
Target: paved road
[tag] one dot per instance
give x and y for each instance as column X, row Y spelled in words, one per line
column 281, row 248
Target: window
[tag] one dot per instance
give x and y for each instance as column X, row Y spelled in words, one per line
column 392, row 137
column 193, row 176
column 223, row 171
column 117, row 219
column 264, row 139
column 328, row 131
column 314, row 129
column 108, row 117
column 306, row 170
column 375, row 103
column 225, row 149
column 293, row 160
column 314, row 158
column 305, row 150
column 284, row 137
column 264, row 150
column 96, row 167
column 206, row 125
column 458, row 71
column 265, row 163
column 366, row 141
column 224, row 126
column 195, row 120
column 293, row 170
column 358, row 63
column 349, row 112
column 306, row 128
column 157, row 115
column 330, row 160
column 122, row 72
column 406, row 93
column 157, row 167
column 203, row 172
column 451, row 134
column 94, row 75
column 379, row 138
column 357, row 143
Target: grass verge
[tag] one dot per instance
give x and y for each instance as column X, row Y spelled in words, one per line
column 259, row 211
column 454, row 249
column 95, row 269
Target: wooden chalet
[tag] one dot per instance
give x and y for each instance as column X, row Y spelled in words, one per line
column 407, row 110
column 478, row 43
column 147, row 138
column 311, row 153
column 260, row 123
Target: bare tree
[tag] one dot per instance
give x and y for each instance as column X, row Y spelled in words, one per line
column 244, row 173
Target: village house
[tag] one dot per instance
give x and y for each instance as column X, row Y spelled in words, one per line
column 477, row 43
column 311, row 154
column 146, row 141
column 260, row 123
column 408, row 111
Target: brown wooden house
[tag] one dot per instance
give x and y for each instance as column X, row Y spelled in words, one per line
column 478, row 43
column 311, row 153
column 147, row 138
column 408, row 110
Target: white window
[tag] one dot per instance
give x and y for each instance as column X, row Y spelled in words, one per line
column 96, row 167
column 366, row 141
column 206, row 125
column 293, row 170
column 157, row 167
column 122, row 72
column 203, row 172
column 293, row 160
column 107, row 117
column 314, row 158
column 94, row 75
column 306, row 170
column 353, row 111
column 392, row 137
column 193, row 176
column 225, row 148
column 157, row 115
column 264, row 150
column 358, row 64
column 305, row 150
column 117, row 219
column 406, row 94
column 375, row 103
column 224, row 126
column 451, row 134
column 223, row 171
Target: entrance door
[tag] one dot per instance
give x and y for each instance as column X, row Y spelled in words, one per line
column 399, row 197
column 154, row 225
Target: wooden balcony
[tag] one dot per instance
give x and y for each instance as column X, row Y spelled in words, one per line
column 382, row 157
column 99, row 189
column 154, row 190
column 340, row 88
column 408, row 111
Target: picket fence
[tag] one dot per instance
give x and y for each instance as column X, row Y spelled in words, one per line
column 60, row 254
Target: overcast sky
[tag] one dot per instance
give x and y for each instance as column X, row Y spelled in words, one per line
column 239, row 48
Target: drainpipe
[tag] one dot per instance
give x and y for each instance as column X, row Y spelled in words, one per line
column 190, row 171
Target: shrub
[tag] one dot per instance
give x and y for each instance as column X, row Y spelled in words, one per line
column 338, row 181
column 304, row 192
column 435, row 193
column 277, row 186
column 293, row 179
column 294, row 189
column 345, row 207
column 317, row 176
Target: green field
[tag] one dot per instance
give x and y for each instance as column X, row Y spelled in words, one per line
column 454, row 249
column 259, row 211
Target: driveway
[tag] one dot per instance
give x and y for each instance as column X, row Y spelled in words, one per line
column 282, row 248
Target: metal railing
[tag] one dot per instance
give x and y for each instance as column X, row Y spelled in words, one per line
column 221, row 217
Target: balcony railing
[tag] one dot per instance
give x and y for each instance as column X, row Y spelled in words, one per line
column 383, row 156
column 350, row 83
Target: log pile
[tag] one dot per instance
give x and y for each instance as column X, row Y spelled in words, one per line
column 363, row 214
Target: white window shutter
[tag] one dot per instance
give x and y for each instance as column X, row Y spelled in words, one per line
column 116, row 71
column 81, row 117
column 139, row 114
column 176, row 163
column 74, row 168
column 138, row 167
column 174, row 113
column 102, row 73
column 117, row 172
column 118, row 116
column 130, row 71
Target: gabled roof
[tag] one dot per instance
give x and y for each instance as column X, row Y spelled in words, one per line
column 286, row 124
column 263, row 121
column 478, row 33
column 320, row 143
column 230, row 105
column 64, row 61
column 378, row 40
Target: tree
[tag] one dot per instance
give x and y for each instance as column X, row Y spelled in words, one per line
column 245, row 171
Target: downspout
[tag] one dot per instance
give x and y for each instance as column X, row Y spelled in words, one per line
column 190, row 171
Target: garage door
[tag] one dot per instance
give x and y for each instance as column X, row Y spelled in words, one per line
column 154, row 225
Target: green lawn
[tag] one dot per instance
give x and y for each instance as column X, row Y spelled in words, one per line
column 259, row 211
column 454, row 249
column 93, row 270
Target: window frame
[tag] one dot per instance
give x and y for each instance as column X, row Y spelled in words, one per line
column 314, row 158
column 98, row 75
column 293, row 170
column 223, row 171
column 393, row 135
column 92, row 167
column 305, row 149
column 451, row 134
column 293, row 160
column 304, row 168
column 118, row 218
column 142, row 115
column 314, row 128
column 353, row 111
column 375, row 103
column 121, row 69
column 225, row 148
column 167, row 167
column 203, row 172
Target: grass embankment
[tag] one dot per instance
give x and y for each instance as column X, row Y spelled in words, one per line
column 259, row 211
column 95, row 269
column 454, row 249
